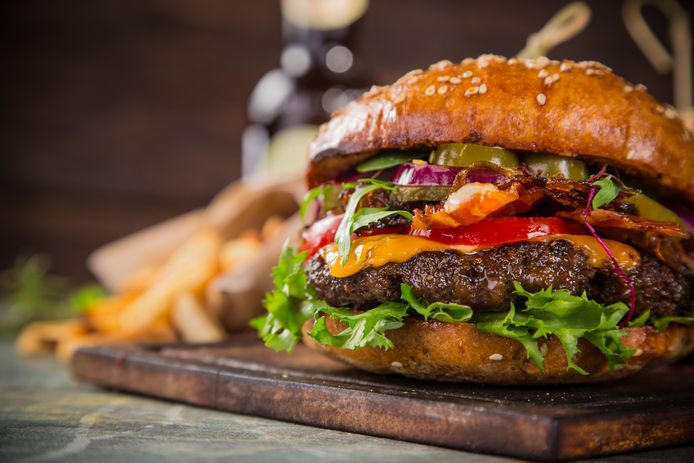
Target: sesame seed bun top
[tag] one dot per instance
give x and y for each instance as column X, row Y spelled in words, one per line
column 577, row 109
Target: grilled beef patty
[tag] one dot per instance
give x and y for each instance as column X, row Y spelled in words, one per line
column 484, row 280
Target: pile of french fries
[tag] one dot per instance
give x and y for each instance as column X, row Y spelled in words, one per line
column 180, row 297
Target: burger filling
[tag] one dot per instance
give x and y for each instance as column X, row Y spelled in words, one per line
column 524, row 246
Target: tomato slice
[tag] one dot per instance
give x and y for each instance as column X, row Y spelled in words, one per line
column 500, row 231
column 490, row 232
column 320, row 234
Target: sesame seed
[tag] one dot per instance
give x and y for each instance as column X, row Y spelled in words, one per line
column 441, row 64
column 483, row 89
column 482, row 63
column 472, row 91
column 565, row 67
column 543, row 349
column 443, row 89
column 512, row 61
column 543, row 73
column 430, row 277
column 496, row 357
column 541, row 99
column 659, row 109
column 628, row 89
column 455, row 80
column 641, row 87
column 430, row 90
column 475, row 81
column 466, row 74
column 414, row 72
column 670, row 112
column 594, row 72
column 396, row 364
column 549, row 80
column 468, row 61
column 443, row 78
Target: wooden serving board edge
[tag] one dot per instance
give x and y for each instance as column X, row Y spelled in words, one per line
column 329, row 405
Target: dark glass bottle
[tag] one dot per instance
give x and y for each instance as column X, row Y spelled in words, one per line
column 320, row 71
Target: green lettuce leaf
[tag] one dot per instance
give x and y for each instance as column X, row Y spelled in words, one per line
column 687, row 318
column 448, row 312
column 640, row 320
column 286, row 306
column 565, row 316
column 364, row 329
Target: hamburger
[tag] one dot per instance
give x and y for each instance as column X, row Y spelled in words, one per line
column 503, row 221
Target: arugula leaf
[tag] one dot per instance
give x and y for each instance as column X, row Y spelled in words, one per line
column 311, row 195
column 606, row 194
column 387, row 160
column 565, row 316
column 280, row 328
column 663, row 322
column 448, row 312
column 351, row 218
column 368, row 215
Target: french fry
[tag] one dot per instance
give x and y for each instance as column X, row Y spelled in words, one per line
column 272, row 226
column 193, row 322
column 159, row 332
column 239, row 251
column 105, row 316
column 43, row 336
column 188, row 269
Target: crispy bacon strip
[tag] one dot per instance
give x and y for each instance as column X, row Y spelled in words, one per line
column 602, row 218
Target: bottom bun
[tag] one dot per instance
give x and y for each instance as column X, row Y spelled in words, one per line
column 459, row 352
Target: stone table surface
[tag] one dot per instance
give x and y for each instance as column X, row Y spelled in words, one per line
column 46, row 416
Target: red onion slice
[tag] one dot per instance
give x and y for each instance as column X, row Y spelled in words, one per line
column 424, row 174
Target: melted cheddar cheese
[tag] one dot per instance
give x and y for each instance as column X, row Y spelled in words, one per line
column 376, row 251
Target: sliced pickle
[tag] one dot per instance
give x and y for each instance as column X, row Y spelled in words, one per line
column 466, row 155
column 331, row 197
column 551, row 165
column 408, row 194
column 652, row 210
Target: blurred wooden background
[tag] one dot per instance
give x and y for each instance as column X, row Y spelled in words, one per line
column 117, row 115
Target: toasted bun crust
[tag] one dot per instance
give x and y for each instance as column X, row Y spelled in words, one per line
column 567, row 108
column 458, row 352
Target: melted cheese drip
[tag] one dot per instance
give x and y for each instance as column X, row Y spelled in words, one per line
column 376, row 251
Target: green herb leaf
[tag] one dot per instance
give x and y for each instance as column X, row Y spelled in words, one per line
column 29, row 292
column 607, row 192
column 369, row 215
column 640, row 320
column 386, row 161
column 364, row 329
column 448, row 312
column 309, row 198
column 368, row 328
column 687, row 318
column 281, row 327
column 343, row 236
column 565, row 316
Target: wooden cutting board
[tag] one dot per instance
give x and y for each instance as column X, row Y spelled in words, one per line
column 652, row 409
